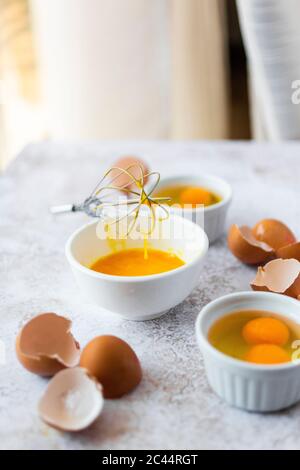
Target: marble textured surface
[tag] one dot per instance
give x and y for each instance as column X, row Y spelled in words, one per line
column 174, row 407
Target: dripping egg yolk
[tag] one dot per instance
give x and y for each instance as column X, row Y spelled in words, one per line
column 266, row 330
column 267, row 354
column 194, row 195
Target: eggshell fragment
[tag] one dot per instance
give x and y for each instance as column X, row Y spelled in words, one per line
column 72, row 400
column 45, row 345
column 113, row 363
column 273, row 232
column 279, row 275
column 134, row 165
column 246, row 248
column 289, row 251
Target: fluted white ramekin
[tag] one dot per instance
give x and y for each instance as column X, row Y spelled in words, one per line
column 211, row 218
column 244, row 385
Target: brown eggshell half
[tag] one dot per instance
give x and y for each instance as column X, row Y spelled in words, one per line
column 289, row 251
column 45, row 345
column 134, row 166
column 113, row 363
column 273, row 232
column 72, row 400
column 279, row 275
column 246, row 248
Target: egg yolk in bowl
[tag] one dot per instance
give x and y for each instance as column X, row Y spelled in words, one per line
column 267, row 354
column 137, row 262
column 266, row 330
column 188, row 195
column 258, row 337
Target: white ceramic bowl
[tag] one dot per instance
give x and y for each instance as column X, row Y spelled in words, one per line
column 211, row 218
column 242, row 384
column 139, row 297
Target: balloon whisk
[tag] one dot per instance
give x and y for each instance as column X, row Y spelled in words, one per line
column 123, row 200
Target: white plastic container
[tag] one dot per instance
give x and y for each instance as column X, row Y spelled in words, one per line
column 139, row 297
column 242, row 384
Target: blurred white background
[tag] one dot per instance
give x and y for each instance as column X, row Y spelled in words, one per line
column 140, row 69
column 113, row 69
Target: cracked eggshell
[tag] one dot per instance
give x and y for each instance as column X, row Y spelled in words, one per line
column 113, row 363
column 281, row 276
column 246, row 248
column 124, row 163
column 72, row 400
column 273, row 232
column 289, row 251
column 45, row 345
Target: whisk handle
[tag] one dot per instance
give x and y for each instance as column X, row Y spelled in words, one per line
column 63, row 209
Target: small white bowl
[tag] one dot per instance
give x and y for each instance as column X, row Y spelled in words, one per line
column 139, row 297
column 210, row 218
column 244, row 385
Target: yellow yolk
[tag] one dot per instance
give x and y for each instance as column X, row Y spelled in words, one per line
column 133, row 262
column 195, row 195
column 266, row 330
column 188, row 195
column 267, row 354
column 247, row 335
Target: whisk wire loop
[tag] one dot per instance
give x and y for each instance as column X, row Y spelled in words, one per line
column 133, row 189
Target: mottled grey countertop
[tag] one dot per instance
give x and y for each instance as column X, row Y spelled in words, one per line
column 173, row 408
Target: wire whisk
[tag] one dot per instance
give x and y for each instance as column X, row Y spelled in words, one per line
column 131, row 197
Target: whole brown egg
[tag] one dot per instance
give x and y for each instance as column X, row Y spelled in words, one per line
column 113, row 363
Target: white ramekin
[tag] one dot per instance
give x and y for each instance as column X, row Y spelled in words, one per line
column 139, row 297
column 242, row 384
column 211, row 218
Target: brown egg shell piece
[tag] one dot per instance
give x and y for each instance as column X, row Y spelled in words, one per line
column 281, row 276
column 246, row 248
column 133, row 165
column 72, row 401
column 273, row 232
column 113, row 363
column 45, row 345
column 289, row 251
